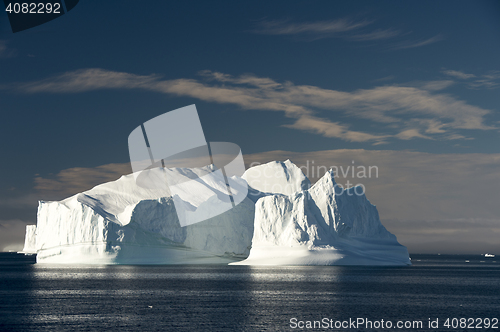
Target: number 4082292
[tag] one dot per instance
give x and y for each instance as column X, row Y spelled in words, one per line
column 34, row 8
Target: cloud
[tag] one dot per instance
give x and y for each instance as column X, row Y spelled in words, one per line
column 90, row 79
column 74, row 180
column 320, row 29
column 6, row 52
column 458, row 74
column 418, row 43
column 378, row 34
column 437, row 85
column 411, row 133
column 457, row 236
column 386, row 78
column 344, row 28
column 483, row 83
column 19, row 202
column 333, row 129
column 394, row 108
column 489, row 80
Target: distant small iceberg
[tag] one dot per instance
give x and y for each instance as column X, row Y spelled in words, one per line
column 489, row 255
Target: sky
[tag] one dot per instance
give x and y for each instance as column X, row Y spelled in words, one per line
column 411, row 87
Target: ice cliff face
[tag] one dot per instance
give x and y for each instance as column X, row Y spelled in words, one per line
column 290, row 222
column 30, row 240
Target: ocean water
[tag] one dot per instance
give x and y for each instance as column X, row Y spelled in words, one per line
column 241, row 298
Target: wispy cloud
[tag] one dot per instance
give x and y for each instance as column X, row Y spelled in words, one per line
column 411, row 133
column 378, row 34
column 384, row 79
column 328, row 128
column 437, row 85
column 342, row 28
column 396, row 108
column 90, row 79
column 5, row 51
column 347, row 29
column 418, row 43
column 490, row 80
column 320, row 29
column 458, row 74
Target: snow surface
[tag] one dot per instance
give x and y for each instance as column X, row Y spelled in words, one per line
column 291, row 223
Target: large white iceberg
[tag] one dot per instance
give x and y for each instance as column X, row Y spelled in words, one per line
column 291, row 224
column 324, row 225
column 121, row 223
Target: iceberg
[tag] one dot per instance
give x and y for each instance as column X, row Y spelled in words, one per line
column 323, row 225
column 282, row 221
column 29, row 241
column 121, row 223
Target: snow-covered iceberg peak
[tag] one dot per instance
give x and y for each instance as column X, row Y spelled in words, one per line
column 324, row 225
column 277, row 177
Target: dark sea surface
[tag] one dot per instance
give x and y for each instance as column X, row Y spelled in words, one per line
column 240, row 298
